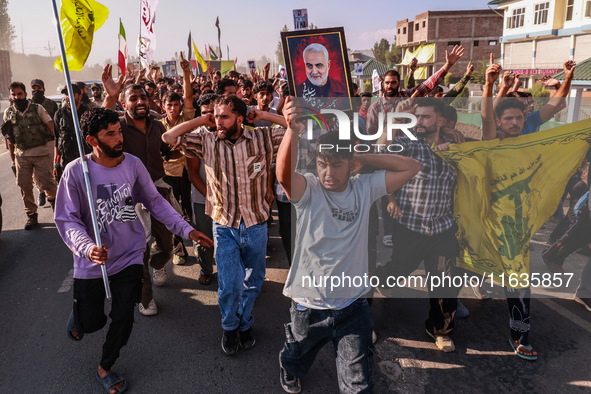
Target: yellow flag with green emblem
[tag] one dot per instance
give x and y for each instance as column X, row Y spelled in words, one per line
column 506, row 190
column 79, row 20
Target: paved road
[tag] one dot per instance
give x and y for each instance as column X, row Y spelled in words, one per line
column 179, row 349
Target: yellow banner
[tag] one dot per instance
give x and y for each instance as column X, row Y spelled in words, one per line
column 79, row 20
column 507, row 190
column 199, row 58
column 227, row 66
column 424, row 54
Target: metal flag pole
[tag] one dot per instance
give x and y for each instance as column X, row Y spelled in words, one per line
column 80, row 145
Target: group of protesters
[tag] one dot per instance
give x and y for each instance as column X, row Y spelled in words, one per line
column 206, row 158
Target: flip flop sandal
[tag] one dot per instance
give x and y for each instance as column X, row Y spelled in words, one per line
column 112, row 379
column 516, row 347
column 72, row 327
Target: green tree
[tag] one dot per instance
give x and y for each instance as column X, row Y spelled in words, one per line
column 447, row 79
column 461, row 100
column 394, row 56
column 279, row 49
column 380, row 49
column 479, row 74
column 7, row 34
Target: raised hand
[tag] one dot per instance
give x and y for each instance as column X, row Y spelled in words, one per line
column 508, row 79
column 413, row 64
column 569, row 69
column 456, row 53
column 185, row 64
column 111, row 87
column 493, row 71
column 469, row 68
column 550, row 82
column 140, row 75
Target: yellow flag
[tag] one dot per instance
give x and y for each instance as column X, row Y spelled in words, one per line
column 79, row 20
column 199, row 58
column 226, row 67
column 506, row 191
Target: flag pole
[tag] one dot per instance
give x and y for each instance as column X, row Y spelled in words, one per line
column 139, row 60
column 80, row 145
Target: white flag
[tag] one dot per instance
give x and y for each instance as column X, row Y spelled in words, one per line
column 147, row 39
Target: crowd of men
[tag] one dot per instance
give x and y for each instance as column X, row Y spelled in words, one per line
column 206, row 158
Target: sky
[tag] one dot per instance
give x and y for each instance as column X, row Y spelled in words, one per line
column 250, row 28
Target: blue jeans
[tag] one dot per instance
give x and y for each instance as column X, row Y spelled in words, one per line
column 349, row 329
column 240, row 256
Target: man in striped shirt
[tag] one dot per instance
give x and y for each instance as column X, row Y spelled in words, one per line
column 237, row 163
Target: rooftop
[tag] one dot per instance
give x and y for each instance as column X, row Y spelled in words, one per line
column 582, row 72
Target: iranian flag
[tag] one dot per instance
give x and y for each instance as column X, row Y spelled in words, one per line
column 122, row 49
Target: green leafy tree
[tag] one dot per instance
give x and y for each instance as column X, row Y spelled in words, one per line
column 7, row 34
column 380, row 49
column 461, row 100
column 447, row 79
column 540, row 94
column 479, row 74
column 394, row 56
column 279, row 49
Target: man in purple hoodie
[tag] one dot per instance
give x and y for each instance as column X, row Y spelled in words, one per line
column 118, row 182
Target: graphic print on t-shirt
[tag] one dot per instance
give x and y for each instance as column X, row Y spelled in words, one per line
column 113, row 203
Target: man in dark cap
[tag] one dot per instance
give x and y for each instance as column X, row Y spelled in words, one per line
column 38, row 88
column 65, row 134
column 97, row 95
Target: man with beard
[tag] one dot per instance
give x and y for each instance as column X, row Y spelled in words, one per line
column 142, row 138
column 97, row 95
column 29, row 130
column 318, row 83
column 393, row 95
column 246, row 93
column 118, row 182
column 424, row 228
column 237, row 165
column 66, row 140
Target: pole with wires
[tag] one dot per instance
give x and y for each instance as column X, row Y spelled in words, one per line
column 80, row 146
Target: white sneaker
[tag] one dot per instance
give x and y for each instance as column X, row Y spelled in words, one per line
column 178, row 260
column 151, row 310
column 160, row 276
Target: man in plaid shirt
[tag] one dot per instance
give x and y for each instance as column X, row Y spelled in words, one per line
column 425, row 228
column 392, row 94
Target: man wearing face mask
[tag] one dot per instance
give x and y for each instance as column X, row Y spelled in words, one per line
column 38, row 92
column 32, row 143
column 65, row 134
